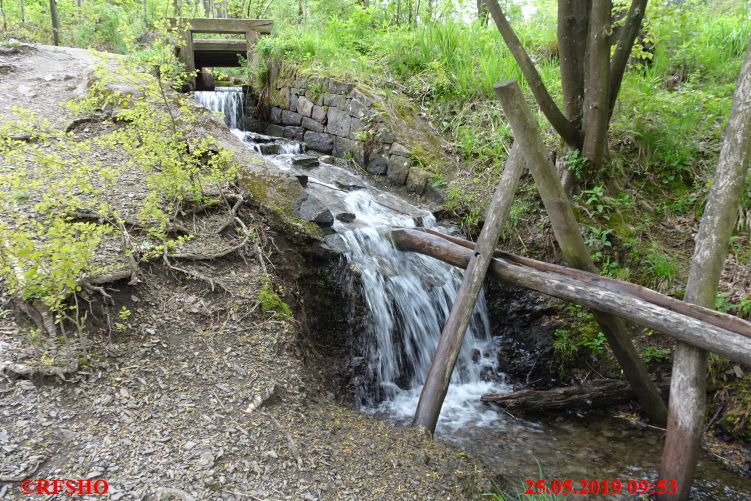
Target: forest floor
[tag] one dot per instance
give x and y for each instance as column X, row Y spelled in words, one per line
column 201, row 395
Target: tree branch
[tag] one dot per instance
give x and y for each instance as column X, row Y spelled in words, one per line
column 623, row 49
column 570, row 134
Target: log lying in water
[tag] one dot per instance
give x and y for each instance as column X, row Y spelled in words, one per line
column 686, row 326
column 571, row 397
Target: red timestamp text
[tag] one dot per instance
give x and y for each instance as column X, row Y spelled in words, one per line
column 589, row 487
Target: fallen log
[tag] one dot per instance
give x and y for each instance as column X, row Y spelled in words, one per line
column 682, row 326
column 600, row 394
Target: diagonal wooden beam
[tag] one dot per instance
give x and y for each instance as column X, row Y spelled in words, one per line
column 439, row 376
column 568, row 234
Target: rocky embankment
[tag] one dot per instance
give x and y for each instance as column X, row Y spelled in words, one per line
column 201, row 394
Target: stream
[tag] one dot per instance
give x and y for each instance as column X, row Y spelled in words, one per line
column 409, row 296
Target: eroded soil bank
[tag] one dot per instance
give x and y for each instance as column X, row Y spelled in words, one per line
column 201, row 395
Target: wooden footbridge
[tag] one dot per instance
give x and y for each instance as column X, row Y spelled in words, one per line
column 200, row 54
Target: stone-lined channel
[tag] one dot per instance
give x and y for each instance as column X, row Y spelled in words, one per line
column 409, row 297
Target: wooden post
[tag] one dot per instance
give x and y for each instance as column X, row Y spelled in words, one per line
column 250, row 38
column 188, row 58
column 568, row 235
column 688, row 383
column 55, row 22
column 439, row 375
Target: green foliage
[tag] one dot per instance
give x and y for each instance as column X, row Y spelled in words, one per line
column 654, row 354
column 270, row 300
column 663, row 268
column 45, row 254
column 582, row 337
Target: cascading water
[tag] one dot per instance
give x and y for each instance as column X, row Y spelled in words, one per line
column 409, row 296
column 226, row 100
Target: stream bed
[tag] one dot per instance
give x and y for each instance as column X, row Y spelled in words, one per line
column 409, row 296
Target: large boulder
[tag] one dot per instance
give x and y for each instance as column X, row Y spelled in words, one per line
column 339, row 123
column 319, row 141
column 294, row 133
column 417, row 179
column 319, row 114
column 398, row 169
column 355, row 149
column 304, row 106
column 291, row 118
column 311, row 124
column 275, row 115
column 377, row 163
column 315, row 211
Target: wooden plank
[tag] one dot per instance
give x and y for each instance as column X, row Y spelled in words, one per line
column 205, row 25
column 568, row 235
column 239, row 46
column 450, row 343
column 690, row 330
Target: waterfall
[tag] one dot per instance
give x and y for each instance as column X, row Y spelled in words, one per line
column 409, row 298
column 226, row 100
column 408, row 295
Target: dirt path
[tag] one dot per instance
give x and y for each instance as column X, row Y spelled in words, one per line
column 200, row 395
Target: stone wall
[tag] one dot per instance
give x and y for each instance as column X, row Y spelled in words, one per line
column 345, row 121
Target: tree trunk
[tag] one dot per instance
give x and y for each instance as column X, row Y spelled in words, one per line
column 570, row 134
column 623, row 49
column 573, row 26
column 733, row 345
column 177, row 7
column 5, row 20
column 688, row 384
column 597, row 89
column 568, row 235
column 55, row 23
column 482, row 12
column 450, row 343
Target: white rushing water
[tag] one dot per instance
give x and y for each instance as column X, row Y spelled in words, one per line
column 226, row 100
column 409, row 296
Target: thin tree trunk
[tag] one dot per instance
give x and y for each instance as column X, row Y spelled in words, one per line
column 623, row 49
column 688, row 383
column 573, row 26
column 597, row 90
column 55, row 22
column 450, row 343
column 145, row 11
column 5, row 20
column 570, row 134
column 569, row 238
column 177, row 7
column 482, row 12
